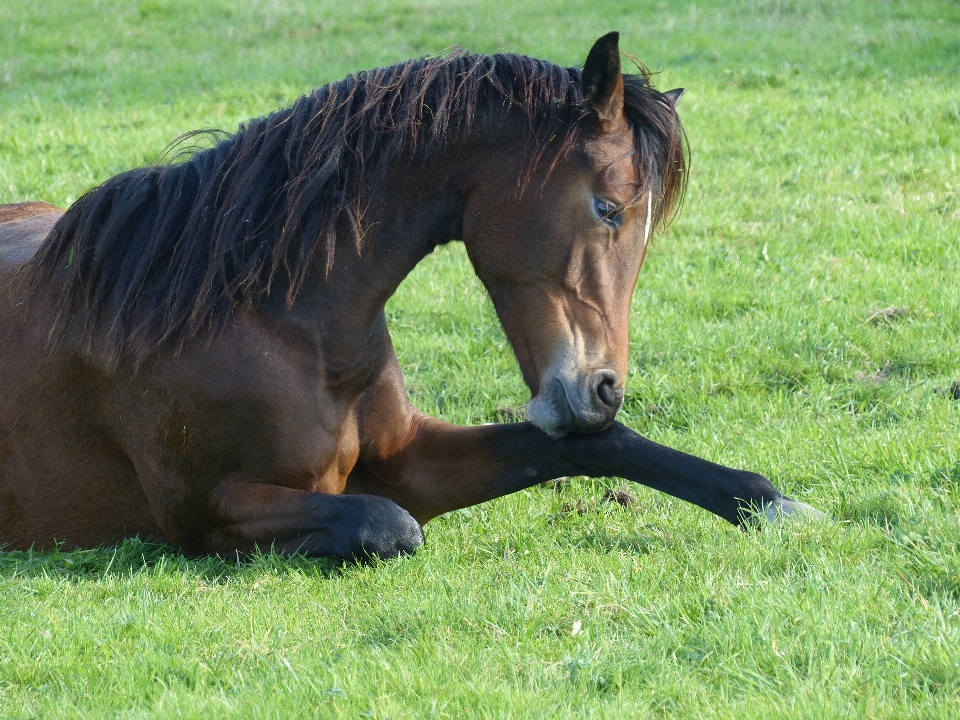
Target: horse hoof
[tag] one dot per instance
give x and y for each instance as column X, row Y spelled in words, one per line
column 776, row 511
column 388, row 531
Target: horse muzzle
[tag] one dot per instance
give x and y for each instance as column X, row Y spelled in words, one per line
column 584, row 403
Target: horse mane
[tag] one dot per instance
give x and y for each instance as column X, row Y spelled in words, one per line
column 165, row 253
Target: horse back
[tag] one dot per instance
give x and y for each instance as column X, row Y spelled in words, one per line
column 23, row 226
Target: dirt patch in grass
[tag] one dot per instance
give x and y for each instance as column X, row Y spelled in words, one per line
column 621, row 496
column 888, row 315
column 952, row 392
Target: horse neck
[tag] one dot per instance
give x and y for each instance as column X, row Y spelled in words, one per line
column 421, row 208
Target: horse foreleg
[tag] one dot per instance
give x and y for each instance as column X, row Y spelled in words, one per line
column 735, row 495
column 245, row 516
column 444, row 467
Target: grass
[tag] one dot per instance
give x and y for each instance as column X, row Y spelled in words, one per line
column 801, row 319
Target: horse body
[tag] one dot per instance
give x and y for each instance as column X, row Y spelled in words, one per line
column 289, row 426
column 57, row 480
column 91, row 451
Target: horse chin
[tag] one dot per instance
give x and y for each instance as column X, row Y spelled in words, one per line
column 550, row 411
column 558, row 409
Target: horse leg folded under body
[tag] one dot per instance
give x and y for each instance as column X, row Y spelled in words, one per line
column 247, row 515
column 445, row 467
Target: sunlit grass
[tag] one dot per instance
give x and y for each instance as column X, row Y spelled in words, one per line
column 801, row 318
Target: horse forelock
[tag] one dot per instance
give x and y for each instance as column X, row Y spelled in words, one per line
column 166, row 253
column 661, row 147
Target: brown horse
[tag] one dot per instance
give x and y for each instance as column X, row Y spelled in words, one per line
column 198, row 352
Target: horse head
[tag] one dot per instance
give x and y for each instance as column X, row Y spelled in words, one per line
column 560, row 258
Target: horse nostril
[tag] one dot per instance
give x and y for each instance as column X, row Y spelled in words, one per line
column 606, row 391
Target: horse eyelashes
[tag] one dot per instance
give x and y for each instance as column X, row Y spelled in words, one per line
column 609, row 213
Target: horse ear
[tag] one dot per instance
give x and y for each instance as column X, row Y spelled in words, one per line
column 673, row 96
column 602, row 79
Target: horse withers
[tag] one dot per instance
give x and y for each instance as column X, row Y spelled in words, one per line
column 197, row 352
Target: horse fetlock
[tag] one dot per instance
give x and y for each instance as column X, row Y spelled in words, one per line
column 379, row 528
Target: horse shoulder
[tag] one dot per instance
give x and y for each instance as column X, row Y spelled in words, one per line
column 254, row 402
column 386, row 423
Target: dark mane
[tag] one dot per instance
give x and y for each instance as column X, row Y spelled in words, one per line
column 166, row 253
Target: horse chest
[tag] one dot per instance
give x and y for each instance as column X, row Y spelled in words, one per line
column 334, row 461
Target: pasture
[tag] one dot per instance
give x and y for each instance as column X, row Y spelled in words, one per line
column 801, row 318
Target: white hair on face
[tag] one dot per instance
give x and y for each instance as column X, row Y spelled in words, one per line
column 646, row 225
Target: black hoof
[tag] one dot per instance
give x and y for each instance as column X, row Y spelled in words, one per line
column 385, row 530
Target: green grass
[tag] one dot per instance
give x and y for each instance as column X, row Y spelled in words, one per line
column 825, row 139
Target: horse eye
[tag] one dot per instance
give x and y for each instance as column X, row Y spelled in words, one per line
column 610, row 215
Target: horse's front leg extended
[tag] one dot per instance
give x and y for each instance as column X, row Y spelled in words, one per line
column 443, row 467
column 247, row 515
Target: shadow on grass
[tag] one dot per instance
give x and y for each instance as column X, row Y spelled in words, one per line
column 884, row 510
column 133, row 557
column 602, row 540
column 891, row 507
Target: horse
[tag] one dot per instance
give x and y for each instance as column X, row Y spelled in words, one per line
column 197, row 352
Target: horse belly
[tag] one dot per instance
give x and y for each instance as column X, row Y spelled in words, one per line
column 82, row 500
column 63, row 479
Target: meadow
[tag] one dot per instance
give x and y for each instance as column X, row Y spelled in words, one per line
column 800, row 318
